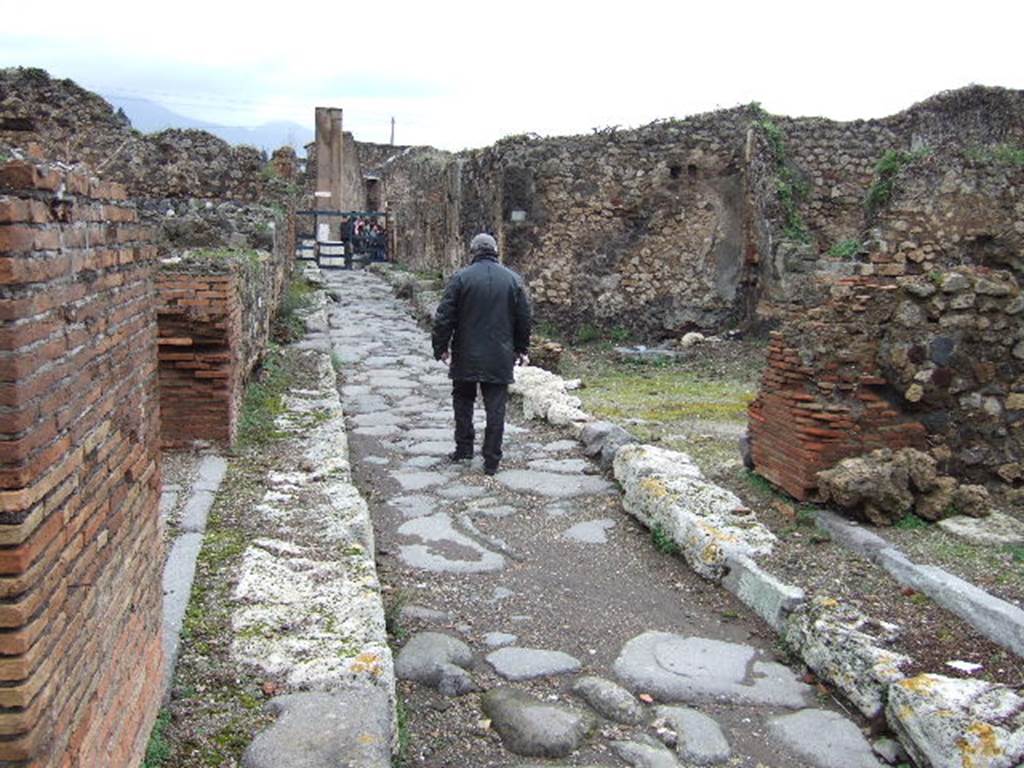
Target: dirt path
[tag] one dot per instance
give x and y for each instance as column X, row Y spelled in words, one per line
column 542, row 556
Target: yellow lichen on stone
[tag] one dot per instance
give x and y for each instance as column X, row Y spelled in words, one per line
column 654, row 487
column 827, row 602
column 922, row 683
column 711, row 553
column 717, row 533
column 979, row 745
column 368, row 662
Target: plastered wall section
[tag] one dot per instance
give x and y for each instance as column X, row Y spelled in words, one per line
column 80, row 545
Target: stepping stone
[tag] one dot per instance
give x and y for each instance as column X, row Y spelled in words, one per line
column 431, row 434
column 352, row 390
column 431, row 448
column 590, row 531
column 696, row 669
column 367, row 404
column 609, row 700
column 532, row 728
column 414, row 505
column 417, row 481
column 421, row 462
column 436, row 660
column 564, row 466
column 380, row 419
column 321, row 730
column 560, row 445
column 499, row 639
column 998, row 529
column 527, row 663
column 445, row 549
column 424, row 614
column 460, row 491
column 553, row 484
column 645, row 754
column 382, row 431
column 699, row 738
column 379, row 460
column 826, row 739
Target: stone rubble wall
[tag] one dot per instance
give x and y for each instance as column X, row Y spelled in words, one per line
column 59, row 120
column 681, row 225
column 80, row 538
column 923, row 345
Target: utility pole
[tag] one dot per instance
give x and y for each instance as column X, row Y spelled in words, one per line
column 392, row 131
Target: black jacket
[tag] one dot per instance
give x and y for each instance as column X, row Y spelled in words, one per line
column 485, row 315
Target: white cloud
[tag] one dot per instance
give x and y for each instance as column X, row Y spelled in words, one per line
column 458, row 74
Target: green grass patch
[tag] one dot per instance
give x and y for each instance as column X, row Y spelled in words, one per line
column 158, row 750
column 664, row 394
column 910, row 522
column 1016, row 552
column 264, row 401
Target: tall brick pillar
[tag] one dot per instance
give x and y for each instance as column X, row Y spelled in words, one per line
column 80, row 545
column 330, row 148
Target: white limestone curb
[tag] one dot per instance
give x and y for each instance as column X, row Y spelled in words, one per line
column 308, row 606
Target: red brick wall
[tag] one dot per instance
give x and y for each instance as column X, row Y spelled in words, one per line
column 806, row 420
column 200, row 322
column 80, row 545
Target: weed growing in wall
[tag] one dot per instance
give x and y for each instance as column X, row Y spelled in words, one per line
column 790, row 189
column 288, row 325
column 998, row 154
column 845, row 249
column 886, row 170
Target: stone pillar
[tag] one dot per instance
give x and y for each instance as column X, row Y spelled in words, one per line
column 329, row 158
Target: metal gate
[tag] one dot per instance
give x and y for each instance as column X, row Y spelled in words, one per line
column 342, row 239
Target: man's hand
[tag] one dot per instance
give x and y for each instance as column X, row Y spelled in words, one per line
column 445, row 357
column 523, row 359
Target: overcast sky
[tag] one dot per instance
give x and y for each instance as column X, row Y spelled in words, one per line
column 464, row 74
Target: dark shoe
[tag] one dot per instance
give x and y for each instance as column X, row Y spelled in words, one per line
column 490, row 469
column 455, row 456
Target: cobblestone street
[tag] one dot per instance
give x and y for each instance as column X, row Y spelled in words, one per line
column 534, row 618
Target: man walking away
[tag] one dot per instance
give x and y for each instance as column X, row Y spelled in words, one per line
column 484, row 316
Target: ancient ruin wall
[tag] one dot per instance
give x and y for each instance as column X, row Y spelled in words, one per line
column 80, row 543
column 927, row 332
column 214, row 317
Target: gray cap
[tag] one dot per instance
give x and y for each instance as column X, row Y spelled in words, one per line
column 483, row 243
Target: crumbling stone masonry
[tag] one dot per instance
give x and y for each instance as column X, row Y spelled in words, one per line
column 80, row 545
column 923, row 345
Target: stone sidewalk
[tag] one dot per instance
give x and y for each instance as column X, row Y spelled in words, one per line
column 537, row 618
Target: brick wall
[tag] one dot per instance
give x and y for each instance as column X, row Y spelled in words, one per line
column 80, row 545
column 215, row 310
column 806, row 419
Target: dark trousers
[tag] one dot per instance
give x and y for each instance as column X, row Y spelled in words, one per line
column 495, row 399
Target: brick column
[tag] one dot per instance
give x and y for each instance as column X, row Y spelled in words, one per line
column 80, row 545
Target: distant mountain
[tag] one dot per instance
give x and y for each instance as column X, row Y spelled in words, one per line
column 150, row 117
